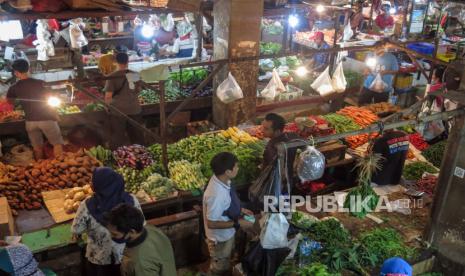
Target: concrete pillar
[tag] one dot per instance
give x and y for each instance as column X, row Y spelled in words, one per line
column 447, row 225
column 237, row 34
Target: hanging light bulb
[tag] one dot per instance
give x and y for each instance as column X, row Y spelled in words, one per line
column 147, row 30
column 301, row 71
column 293, row 20
column 320, row 8
column 371, row 62
column 54, row 101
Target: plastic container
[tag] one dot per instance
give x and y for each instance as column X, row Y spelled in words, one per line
column 306, row 248
column 422, row 48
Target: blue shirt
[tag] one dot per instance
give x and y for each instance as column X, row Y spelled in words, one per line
column 386, row 62
column 321, row 58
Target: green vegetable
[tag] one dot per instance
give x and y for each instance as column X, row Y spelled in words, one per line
column 103, row 155
column 158, row 186
column 172, row 93
column 134, row 178
column 270, row 48
column 186, row 175
column 408, row 129
column 341, row 123
column 189, row 76
column 313, row 269
column 293, row 62
column 384, row 243
column 303, row 220
column 415, row 170
column 274, row 28
column 435, row 153
column 93, row 107
column 353, row 78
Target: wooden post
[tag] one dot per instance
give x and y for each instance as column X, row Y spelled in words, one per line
column 237, row 34
column 164, row 149
column 199, row 26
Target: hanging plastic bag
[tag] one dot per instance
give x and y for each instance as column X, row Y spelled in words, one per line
column 267, row 184
column 229, row 90
column 378, row 85
column 310, row 164
column 433, row 129
column 77, row 38
column 339, row 79
column 274, row 231
column 274, row 87
column 167, row 23
column 323, row 83
column 348, row 32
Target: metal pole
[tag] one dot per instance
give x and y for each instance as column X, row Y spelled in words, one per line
column 164, row 149
column 333, row 55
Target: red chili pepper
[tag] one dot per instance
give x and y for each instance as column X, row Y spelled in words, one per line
column 418, row 142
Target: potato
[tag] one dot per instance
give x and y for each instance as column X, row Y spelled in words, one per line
column 76, row 205
column 79, row 196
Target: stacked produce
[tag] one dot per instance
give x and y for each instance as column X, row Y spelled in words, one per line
column 172, row 93
column 23, row 186
column 383, row 108
column 360, row 115
column 189, row 77
column 75, row 196
column 91, row 107
column 101, row 154
column 237, row 135
column 256, row 131
column 270, row 48
column 68, row 110
column 435, row 153
column 9, row 116
column 341, row 123
column 187, row 175
column 133, row 156
column 303, row 220
column 134, row 178
column 415, row 170
column 158, row 186
column 427, row 184
column 418, row 142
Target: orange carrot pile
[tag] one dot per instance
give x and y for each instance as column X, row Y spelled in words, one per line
column 361, row 116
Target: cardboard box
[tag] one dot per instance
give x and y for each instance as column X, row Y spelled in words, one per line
column 7, row 223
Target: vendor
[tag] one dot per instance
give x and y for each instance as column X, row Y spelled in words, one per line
column 387, row 66
column 107, row 62
column 320, row 60
column 41, row 119
column 119, row 94
column 221, row 212
column 385, row 20
column 393, row 146
column 103, row 256
column 356, row 19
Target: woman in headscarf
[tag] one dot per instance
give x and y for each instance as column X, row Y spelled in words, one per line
column 103, row 254
column 17, row 260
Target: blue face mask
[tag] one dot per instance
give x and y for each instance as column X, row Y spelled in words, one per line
column 121, row 240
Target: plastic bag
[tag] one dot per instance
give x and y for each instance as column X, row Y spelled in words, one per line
column 310, row 165
column 267, row 184
column 323, row 83
column 274, row 231
column 167, row 23
column 432, row 129
column 378, row 85
column 260, row 261
column 229, row 90
column 348, row 32
column 274, row 87
column 77, row 38
column 339, row 79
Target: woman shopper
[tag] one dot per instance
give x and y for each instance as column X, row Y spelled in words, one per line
column 103, row 255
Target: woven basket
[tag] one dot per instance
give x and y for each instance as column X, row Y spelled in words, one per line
column 159, row 3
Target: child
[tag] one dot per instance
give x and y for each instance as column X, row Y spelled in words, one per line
column 221, row 212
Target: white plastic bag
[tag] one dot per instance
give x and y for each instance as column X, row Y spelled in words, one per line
column 433, row 129
column 339, row 80
column 378, row 85
column 310, row 165
column 348, row 32
column 229, row 90
column 167, row 23
column 323, row 83
column 274, row 231
column 274, row 87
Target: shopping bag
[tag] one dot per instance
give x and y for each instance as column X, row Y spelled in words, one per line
column 432, row 129
column 229, row 90
column 339, row 80
column 378, row 85
column 167, row 23
column 274, row 231
column 274, row 87
column 323, row 83
column 310, row 165
column 264, row 262
column 348, row 32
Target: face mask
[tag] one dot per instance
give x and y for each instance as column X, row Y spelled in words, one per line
column 121, row 240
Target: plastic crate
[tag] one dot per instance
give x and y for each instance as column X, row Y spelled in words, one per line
column 422, row 48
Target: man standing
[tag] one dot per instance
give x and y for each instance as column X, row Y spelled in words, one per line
column 387, row 67
column 40, row 117
column 122, row 94
column 148, row 251
column 221, row 212
column 385, row 20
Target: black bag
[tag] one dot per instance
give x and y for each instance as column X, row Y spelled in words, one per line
column 267, row 184
column 263, row 262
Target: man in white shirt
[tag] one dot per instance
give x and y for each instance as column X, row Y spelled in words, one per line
column 221, row 212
